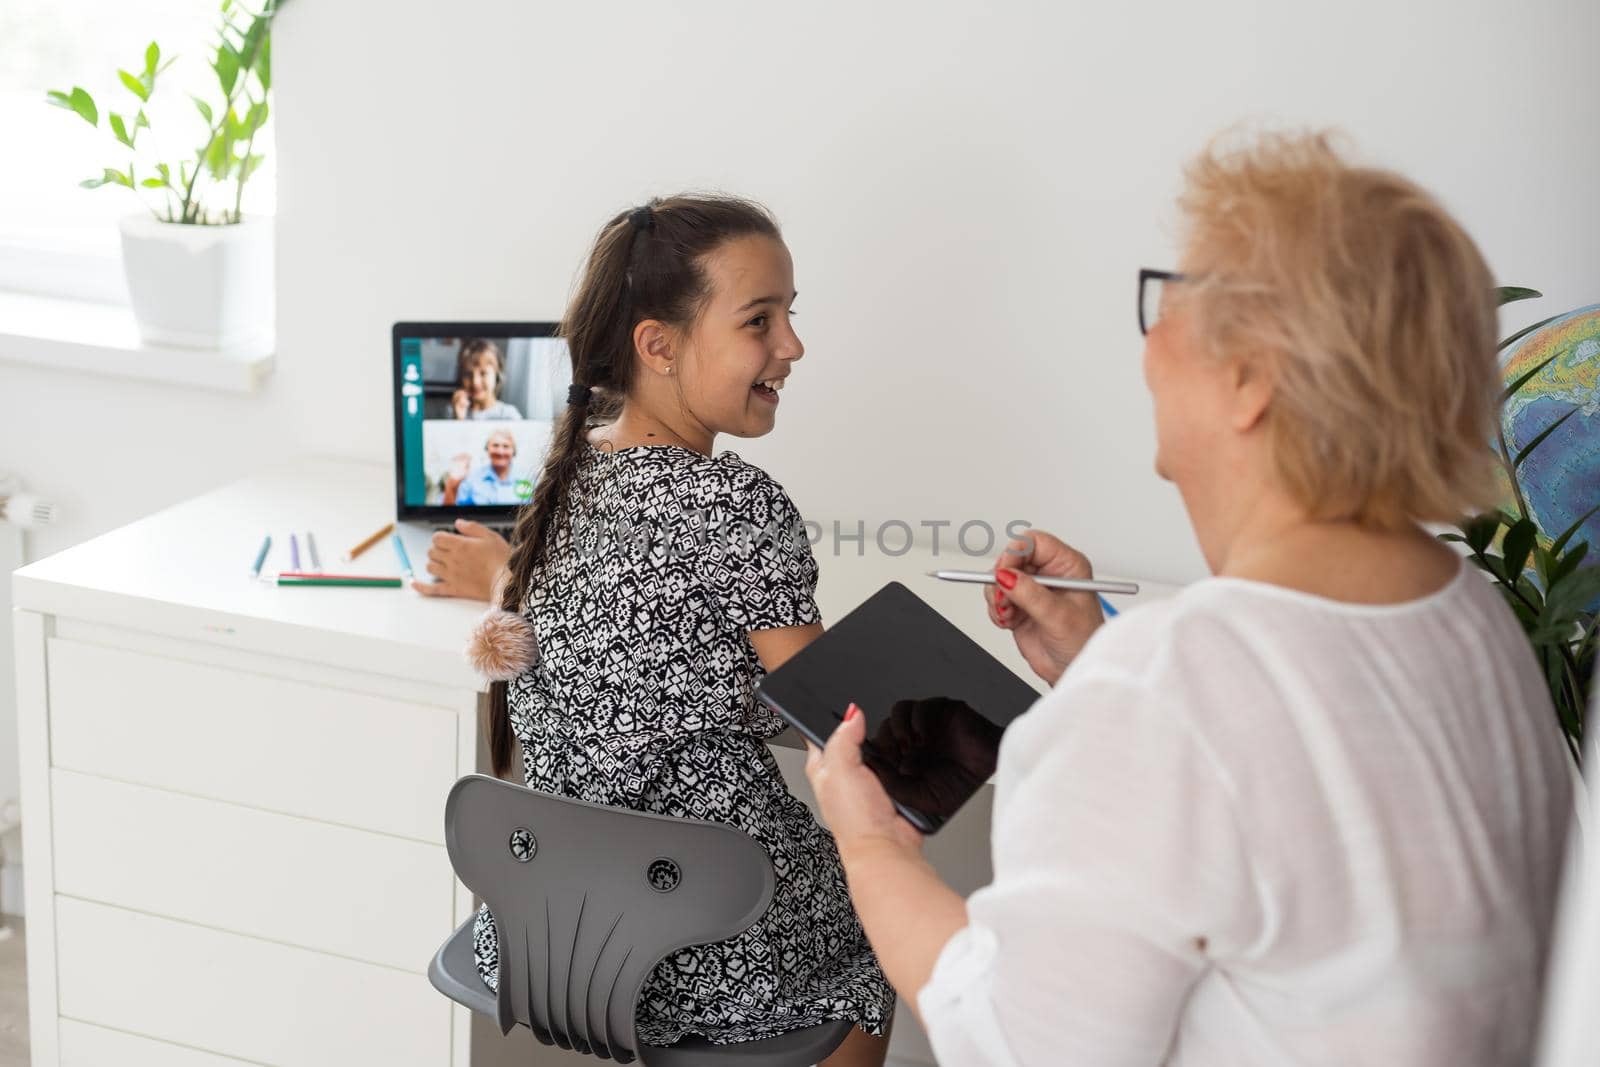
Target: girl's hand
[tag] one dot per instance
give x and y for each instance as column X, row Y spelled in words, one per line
column 1050, row 626
column 464, row 564
column 460, row 403
column 853, row 801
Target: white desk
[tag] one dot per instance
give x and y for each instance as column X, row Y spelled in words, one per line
column 233, row 793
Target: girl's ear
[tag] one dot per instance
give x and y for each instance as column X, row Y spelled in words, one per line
column 652, row 342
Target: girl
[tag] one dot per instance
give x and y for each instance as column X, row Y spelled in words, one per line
column 655, row 584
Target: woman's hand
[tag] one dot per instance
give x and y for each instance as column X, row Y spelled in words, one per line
column 1050, row 626
column 465, row 563
column 460, row 403
column 854, row 804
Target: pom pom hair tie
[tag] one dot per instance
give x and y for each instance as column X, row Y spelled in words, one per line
column 642, row 218
column 577, row 395
column 502, row 645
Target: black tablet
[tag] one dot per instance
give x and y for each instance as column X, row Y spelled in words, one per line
column 936, row 702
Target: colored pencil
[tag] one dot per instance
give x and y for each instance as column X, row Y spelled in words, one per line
column 369, row 542
column 294, row 552
column 311, row 547
column 400, row 550
column 366, row 583
column 261, row 557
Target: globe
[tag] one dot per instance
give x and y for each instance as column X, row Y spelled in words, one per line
column 1561, row 479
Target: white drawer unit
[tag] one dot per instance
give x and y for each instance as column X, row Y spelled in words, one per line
column 87, row 1045
column 244, row 860
column 233, row 795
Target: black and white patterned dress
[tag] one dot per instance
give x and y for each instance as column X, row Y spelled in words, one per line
column 643, row 698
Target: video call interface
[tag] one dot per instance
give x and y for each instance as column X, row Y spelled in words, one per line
column 476, row 415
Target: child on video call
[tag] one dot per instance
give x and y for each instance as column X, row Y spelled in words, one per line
column 680, row 330
column 480, row 375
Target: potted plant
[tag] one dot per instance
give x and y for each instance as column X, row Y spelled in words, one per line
column 199, row 271
column 1540, row 572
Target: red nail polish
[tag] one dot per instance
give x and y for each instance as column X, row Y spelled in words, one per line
column 1006, row 578
column 851, row 712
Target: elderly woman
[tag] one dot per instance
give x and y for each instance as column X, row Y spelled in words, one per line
column 1312, row 809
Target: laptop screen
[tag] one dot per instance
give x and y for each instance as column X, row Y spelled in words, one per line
column 475, row 405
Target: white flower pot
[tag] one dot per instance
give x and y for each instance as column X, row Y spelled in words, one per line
column 200, row 286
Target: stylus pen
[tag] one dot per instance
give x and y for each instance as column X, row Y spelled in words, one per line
column 368, row 543
column 1079, row 585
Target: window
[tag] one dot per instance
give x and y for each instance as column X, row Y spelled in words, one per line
column 56, row 237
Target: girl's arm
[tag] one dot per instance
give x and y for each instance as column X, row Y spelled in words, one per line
column 776, row 646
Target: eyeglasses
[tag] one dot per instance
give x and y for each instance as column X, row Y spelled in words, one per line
column 1150, row 295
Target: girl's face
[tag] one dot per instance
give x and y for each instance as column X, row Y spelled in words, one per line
column 743, row 346
column 482, row 380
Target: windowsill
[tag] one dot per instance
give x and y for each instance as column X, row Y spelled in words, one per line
column 76, row 335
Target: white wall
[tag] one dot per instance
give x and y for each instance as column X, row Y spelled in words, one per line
column 968, row 194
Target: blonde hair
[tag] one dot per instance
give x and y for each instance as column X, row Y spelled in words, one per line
column 1374, row 309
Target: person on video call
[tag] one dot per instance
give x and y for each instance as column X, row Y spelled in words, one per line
column 492, row 483
column 480, row 374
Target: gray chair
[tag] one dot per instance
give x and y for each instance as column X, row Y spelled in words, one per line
column 587, row 899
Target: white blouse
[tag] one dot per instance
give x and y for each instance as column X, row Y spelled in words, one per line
column 1253, row 826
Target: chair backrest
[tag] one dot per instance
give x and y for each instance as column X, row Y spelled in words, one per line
column 587, row 899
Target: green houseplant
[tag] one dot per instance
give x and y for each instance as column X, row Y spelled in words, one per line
column 199, row 270
column 1542, row 578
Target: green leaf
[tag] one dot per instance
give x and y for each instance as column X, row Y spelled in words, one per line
column 57, row 98
column 1544, row 562
column 140, row 121
column 92, row 183
column 251, row 48
column 1515, row 387
column 1530, row 593
column 120, row 131
column 227, row 68
column 135, row 86
column 1518, row 543
column 153, row 183
column 1526, row 330
column 1495, row 566
column 218, row 155
column 264, row 64
column 152, row 58
column 116, row 177
column 204, row 108
column 1567, row 599
column 165, row 172
column 1569, row 563
column 1539, row 439
column 249, row 167
column 1510, row 294
column 81, row 102
column 1480, row 531
column 1566, row 535
column 255, row 118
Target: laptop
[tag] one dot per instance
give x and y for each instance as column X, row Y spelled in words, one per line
column 474, row 407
